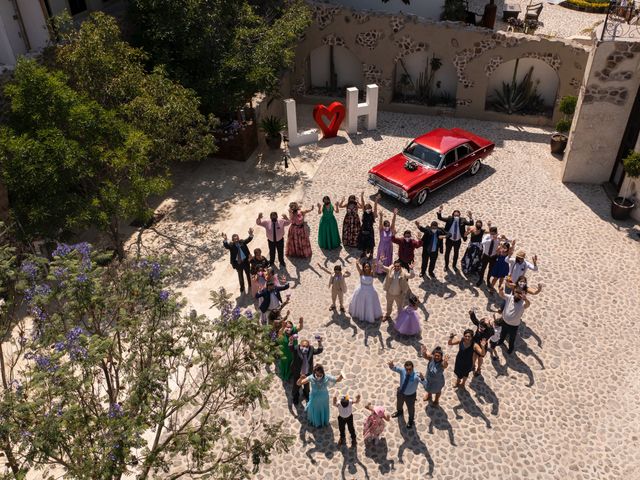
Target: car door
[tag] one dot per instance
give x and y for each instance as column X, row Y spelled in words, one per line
column 466, row 156
column 447, row 169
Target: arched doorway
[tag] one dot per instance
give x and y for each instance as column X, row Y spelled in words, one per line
column 425, row 79
column 524, row 86
column 333, row 69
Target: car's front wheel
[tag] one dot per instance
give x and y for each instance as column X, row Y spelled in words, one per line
column 421, row 197
column 475, row 167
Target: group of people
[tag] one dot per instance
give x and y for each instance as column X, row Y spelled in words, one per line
column 488, row 255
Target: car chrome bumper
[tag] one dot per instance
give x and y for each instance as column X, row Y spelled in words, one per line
column 389, row 192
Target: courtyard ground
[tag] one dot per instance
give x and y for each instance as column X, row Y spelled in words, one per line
column 563, row 406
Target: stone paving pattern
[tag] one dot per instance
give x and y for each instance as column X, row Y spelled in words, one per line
column 563, row 406
column 557, row 21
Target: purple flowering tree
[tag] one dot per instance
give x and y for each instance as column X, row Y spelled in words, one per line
column 115, row 378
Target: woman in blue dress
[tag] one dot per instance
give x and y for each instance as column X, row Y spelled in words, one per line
column 501, row 268
column 434, row 378
column 318, row 405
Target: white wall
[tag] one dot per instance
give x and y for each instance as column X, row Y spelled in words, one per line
column 11, row 28
column 415, row 64
column 423, row 8
column 34, row 23
column 348, row 67
column 547, row 88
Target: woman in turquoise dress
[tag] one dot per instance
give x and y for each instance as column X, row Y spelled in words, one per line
column 328, row 233
column 318, row 405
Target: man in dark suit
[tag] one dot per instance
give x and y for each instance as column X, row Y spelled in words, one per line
column 431, row 245
column 302, row 365
column 456, row 230
column 270, row 297
column 239, row 256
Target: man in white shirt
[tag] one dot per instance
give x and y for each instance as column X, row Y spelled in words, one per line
column 514, row 306
column 518, row 266
column 490, row 243
column 345, row 417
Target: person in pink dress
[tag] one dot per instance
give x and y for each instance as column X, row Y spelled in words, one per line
column 408, row 321
column 385, row 247
column 375, row 423
column 298, row 243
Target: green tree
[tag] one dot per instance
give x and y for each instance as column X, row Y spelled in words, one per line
column 67, row 162
column 226, row 50
column 99, row 63
column 116, row 380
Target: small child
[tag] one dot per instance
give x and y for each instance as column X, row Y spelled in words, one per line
column 345, row 417
column 338, row 287
column 497, row 330
column 374, row 424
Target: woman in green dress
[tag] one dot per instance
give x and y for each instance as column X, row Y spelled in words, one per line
column 286, row 357
column 328, row 233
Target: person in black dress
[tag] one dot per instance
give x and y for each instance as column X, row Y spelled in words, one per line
column 484, row 330
column 464, row 358
column 366, row 239
column 472, row 258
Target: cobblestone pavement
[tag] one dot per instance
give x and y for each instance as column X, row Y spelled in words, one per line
column 557, row 21
column 563, row 406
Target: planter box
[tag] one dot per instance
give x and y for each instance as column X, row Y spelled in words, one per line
column 238, row 146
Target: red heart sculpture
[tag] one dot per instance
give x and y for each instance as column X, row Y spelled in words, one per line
column 335, row 113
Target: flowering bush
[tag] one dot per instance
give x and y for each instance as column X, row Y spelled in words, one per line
column 112, row 358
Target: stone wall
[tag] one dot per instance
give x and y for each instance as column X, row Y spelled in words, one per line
column 610, row 85
column 379, row 40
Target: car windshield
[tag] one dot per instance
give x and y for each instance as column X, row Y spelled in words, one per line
column 422, row 154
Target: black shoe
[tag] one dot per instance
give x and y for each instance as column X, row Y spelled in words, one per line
column 296, row 401
column 410, row 424
column 283, row 265
column 478, row 283
column 421, row 274
column 446, row 268
column 242, row 292
column 396, row 414
column 432, row 274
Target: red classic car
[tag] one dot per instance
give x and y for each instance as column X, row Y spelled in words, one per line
column 429, row 162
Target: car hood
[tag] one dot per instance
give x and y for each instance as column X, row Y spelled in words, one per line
column 394, row 171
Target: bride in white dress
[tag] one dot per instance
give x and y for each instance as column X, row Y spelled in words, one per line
column 365, row 304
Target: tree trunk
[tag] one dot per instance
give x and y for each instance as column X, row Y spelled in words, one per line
column 118, row 243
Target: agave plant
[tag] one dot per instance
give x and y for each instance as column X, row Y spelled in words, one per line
column 517, row 97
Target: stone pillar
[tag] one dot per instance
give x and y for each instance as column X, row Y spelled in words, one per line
column 606, row 97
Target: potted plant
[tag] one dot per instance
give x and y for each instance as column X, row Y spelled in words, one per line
column 621, row 206
column 272, row 126
column 559, row 137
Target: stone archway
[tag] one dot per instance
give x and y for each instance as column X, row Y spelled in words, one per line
column 526, row 86
column 332, row 68
column 425, row 78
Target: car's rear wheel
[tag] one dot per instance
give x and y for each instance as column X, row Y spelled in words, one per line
column 421, row 197
column 475, row 167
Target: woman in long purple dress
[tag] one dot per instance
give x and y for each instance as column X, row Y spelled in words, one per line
column 385, row 247
column 408, row 321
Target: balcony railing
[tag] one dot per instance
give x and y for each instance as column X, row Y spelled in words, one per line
column 621, row 21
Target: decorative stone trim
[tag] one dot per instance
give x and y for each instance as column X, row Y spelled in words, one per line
column 300, row 87
column 369, row 39
column 333, row 40
column 549, row 58
column 397, row 23
column 407, row 46
column 360, row 17
column 575, row 83
column 463, row 102
column 373, row 74
column 323, row 13
column 493, row 64
column 616, row 95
